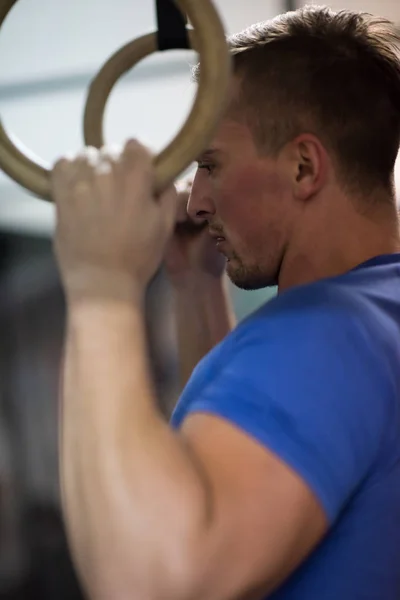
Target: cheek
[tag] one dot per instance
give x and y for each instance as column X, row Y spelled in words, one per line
column 251, row 201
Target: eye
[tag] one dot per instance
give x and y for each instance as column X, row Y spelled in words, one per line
column 207, row 166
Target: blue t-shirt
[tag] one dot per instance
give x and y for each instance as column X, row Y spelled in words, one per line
column 314, row 375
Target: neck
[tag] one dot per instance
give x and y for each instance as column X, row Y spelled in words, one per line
column 328, row 245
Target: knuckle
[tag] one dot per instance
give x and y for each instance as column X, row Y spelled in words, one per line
column 62, row 166
column 104, row 167
column 137, row 151
column 183, row 186
column 88, row 157
column 92, row 155
column 110, row 153
column 82, row 190
column 131, row 145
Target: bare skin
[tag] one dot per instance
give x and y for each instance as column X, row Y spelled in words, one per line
column 149, row 511
column 331, row 232
column 286, row 220
column 196, row 270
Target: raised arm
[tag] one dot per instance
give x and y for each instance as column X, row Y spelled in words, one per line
column 151, row 513
column 203, row 309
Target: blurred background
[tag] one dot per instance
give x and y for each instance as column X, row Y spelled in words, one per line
column 49, row 51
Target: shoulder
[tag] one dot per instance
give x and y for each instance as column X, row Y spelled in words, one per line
column 297, row 377
column 312, row 348
column 320, row 315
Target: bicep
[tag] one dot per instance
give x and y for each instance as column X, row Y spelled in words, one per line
column 265, row 519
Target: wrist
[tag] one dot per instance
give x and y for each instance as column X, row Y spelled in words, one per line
column 95, row 287
column 93, row 318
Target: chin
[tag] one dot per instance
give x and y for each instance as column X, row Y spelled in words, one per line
column 250, row 279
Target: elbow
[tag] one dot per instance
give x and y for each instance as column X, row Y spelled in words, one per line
column 172, row 577
column 156, row 559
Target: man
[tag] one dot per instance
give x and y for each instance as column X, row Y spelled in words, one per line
column 279, row 476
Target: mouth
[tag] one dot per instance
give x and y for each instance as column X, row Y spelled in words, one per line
column 220, row 240
column 216, row 235
column 221, row 246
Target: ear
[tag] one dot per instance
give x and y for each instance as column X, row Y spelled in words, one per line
column 308, row 166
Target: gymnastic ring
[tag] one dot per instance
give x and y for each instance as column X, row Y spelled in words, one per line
column 208, row 37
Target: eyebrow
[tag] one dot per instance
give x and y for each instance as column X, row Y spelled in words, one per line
column 209, row 153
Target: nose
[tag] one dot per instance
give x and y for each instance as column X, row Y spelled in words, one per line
column 201, row 205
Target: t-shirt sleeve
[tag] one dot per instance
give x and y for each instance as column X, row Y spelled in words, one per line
column 308, row 387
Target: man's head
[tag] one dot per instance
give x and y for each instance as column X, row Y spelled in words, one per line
column 314, row 114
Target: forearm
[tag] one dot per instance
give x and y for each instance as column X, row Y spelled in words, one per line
column 133, row 498
column 204, row 316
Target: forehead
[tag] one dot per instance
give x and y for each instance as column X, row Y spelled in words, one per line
column 230, row 135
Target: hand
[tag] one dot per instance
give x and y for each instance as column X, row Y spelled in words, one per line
column 191, row 250
column 111, row 231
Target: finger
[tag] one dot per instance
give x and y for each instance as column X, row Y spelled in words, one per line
column 112, row 151
column 61, row 174
column 109, row 172
column 107, row 183
column 111, row 155
column 84, row 165
column 68, row 173
column 82, row 176
column 135, row 155
column 138, row 170
column 184, row 186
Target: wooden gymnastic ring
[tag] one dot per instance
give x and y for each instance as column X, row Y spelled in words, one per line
column 208, row 37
